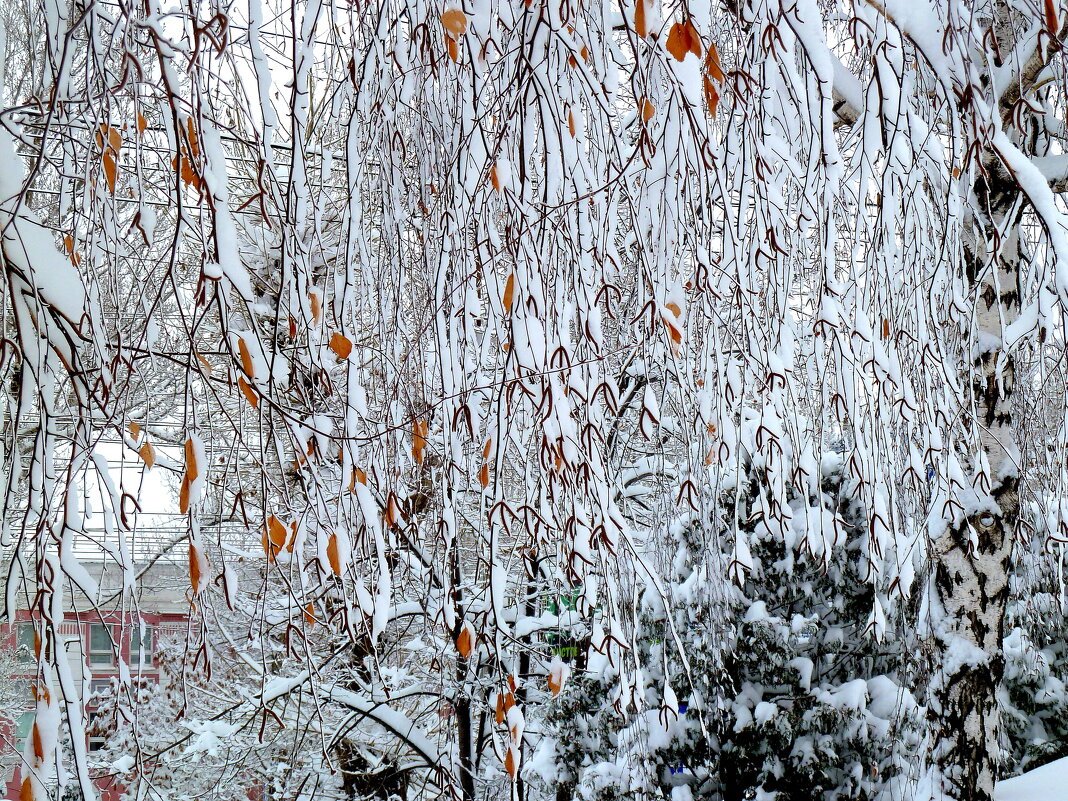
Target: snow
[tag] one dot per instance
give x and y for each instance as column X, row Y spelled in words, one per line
column 1046, row 783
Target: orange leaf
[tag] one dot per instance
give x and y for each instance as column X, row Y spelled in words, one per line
column 455, row 22
column 674, row 308
column 393, row 512
column 711, row 97
column 648, row 110
column 194, row 148
column 509, row 292
column 463, row 642
column 419, row 432
column 509, row 762
column 453, row 49
column 500, row 708
column 26, row 791
column 511, row 686
column 361, row 476
column 509, row 701
column 111, row 171
column 886, row 328
column 340, row 344
column 640, row 26
column 246, row 358
column 316, row 306
column 585, row 53
column 483, row 475
column 495, row 179
column 135, row 429
column 678, row 41
column 712, row 66
column 191, row 468
column 189, row 173
column 147, row 454
column 333, row 556
column 183, row 496
column 554, row 684
column 571, row 123
column 142, row 123
column 274, row 537
column 1051, row 17
column 250, row 394
column 38, row 743
column 194, row 568
column 487, row 448
column 205, row 362
column 309, row 615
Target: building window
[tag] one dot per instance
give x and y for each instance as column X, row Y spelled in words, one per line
column 98, row 687
column 100, row 649
column 25, row 643
column 141, row 646
column 97, row 738
column 25, row 724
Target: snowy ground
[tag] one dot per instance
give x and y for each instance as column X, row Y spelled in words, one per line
column 1047, row 783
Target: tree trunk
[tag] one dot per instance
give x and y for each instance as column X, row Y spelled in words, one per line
column 973, row 558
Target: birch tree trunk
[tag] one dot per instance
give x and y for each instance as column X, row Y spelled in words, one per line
column 973, row 560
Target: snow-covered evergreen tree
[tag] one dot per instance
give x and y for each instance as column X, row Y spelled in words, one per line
column 780, row 687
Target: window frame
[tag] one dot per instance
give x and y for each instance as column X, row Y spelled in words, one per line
column 25, row 646
column 97, row 656
column 142, row 656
